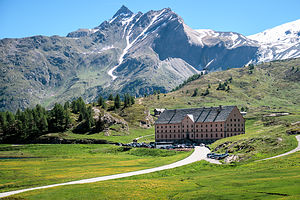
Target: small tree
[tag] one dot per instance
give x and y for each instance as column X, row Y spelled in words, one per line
column 195, row 92
column 117, row 102
column 100, row 101
column 110, row 97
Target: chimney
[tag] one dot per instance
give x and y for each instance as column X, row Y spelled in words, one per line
column 220, row 108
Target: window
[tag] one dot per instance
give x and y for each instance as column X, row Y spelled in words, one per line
column 231, row 120
column 211, row 130
column 187, row 126
column 174, row 126
column 201, row 125
column 174, row 131
column 178, row 135
column 221, row 129
column 182, row 126
column 174, row 136
column 157, row 131
column 227, row 129
column 192, row 135
column 221, row 135
column 206, row 125
column 234, row 120
column 206, row 130
column 202, row 135
column 234, row 125
column 170, row 131
column 242, row 129
column 196, row 135
column 166, row 136
column 216, row 135
column 211, row 135
column 166, row 127
column 238, row 129
column 157, row 136
column 227, row 124
column 216, row 125
column 211, row 125
column 170, row 136
column 221, row 125
column 170, row 127
column 192, row 126
column 231, row 129
column 238, row 120
column 196, row 126
column 206, row 135
column 196, row 130
column 238, row 125
column 201, row 130
column 165, row 130
column 178, row 126
column 234, row 129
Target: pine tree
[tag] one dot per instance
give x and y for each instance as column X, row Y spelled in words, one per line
column 117, row 103
column 132, row 100
column 100, row 101
column 110, row 97
column 67, row 105
column 195, row 92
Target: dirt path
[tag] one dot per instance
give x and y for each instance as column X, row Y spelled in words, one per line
column 198, row 154
column 287, row 153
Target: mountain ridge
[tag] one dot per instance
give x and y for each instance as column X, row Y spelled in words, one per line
column 133, row 53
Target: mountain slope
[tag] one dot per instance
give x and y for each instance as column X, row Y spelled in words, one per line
column 133, row 52
column 272, row 86
column 280, row 42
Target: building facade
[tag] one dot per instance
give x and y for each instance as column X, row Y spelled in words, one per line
column 199, row 125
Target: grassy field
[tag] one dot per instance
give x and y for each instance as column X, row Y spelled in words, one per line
column 122, row 137
column 48, row 164
column 272, row 179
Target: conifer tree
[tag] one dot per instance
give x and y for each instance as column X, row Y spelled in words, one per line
column 117, row 102
column 110, row 97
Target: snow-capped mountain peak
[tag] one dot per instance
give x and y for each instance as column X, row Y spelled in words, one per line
column 278, row 33
column 280, row 42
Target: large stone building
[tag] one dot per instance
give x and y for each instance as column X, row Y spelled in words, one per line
column 199, row 125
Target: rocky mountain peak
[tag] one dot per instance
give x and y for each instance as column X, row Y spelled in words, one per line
column 123, row 10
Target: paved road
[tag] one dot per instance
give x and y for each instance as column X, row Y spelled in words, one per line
column 143, row 136
column 287, row 153
column 198, row 154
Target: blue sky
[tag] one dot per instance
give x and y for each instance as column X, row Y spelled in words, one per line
column 22, row 18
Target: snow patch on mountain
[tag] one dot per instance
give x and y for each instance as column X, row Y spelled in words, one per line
column 129, row 44
column 280, row 42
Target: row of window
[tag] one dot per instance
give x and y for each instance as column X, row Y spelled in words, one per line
column 216, row 125
column 235, row 120
column 177, row 136
column 201, row 130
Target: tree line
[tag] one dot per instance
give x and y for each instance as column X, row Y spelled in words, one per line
column 24, row 126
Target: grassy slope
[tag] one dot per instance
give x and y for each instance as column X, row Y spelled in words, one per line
column 272, row 87
column 271, row 179
column 61, row 163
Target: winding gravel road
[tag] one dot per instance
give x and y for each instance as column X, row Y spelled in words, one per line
column 287, row 153
column 198, row 154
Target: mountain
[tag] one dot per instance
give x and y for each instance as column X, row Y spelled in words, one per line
column 280, row 42
column 132, row 52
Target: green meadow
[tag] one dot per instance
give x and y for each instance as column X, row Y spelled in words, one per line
column 38, row 165
column 272, row 179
